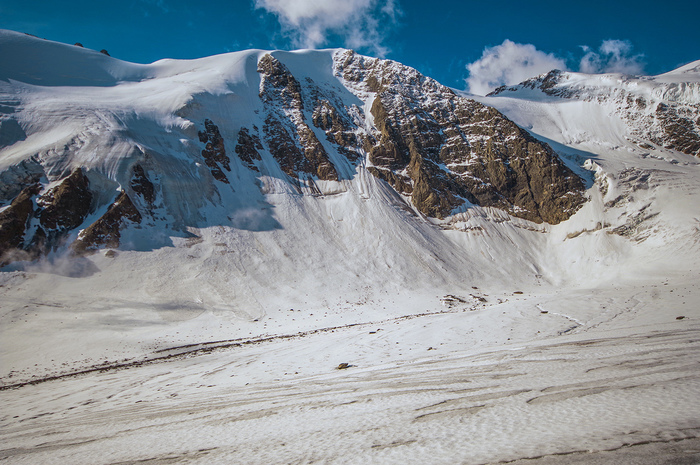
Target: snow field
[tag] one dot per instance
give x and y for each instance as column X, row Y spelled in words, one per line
column 600, row 387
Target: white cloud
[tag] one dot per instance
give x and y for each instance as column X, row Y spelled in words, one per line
column 613, row 56
column 309, row 23
column 509, row 63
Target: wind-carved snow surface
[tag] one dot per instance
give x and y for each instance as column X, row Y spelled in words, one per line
column 479, row 338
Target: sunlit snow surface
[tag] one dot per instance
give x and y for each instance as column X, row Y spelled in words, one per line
column 488, row 339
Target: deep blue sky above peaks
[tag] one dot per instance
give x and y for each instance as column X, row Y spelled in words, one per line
column 473, row 45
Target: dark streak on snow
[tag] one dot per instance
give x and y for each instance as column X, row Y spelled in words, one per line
column 203, row 348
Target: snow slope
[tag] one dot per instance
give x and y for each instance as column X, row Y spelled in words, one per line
column 477, row 339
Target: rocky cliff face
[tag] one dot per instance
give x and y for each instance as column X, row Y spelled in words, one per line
column 214, row 152
column 287, row 134
column 659, row 112
column 106, row 230
column 36, row 223
column 14, row 221
column 441, row 152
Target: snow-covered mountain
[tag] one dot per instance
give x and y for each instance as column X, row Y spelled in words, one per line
column 241, row 221
column 266, row 180
column 660, row 111
column 187, row 144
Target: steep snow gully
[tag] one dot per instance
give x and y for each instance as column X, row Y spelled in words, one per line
column 319, row 257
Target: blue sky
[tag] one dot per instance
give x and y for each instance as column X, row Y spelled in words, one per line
column 489, row 43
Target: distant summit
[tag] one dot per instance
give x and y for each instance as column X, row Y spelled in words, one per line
column 660, row 111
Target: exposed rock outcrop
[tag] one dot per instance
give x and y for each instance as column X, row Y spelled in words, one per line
column 248, row 148
column 284, row 149
column 142, row 185
column 39, row 223
column 290, row 139
column 680, row 126
column 338, row 126
column 35, row 224
column 14, row 220
column 443, row 150
column 214, row 152
column 65, row 206
column 106, row 232
column 60, row 210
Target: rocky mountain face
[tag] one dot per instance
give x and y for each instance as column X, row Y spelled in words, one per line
column 286, row 131
column 660, row 112
column 36, row 222
column 441, row 152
